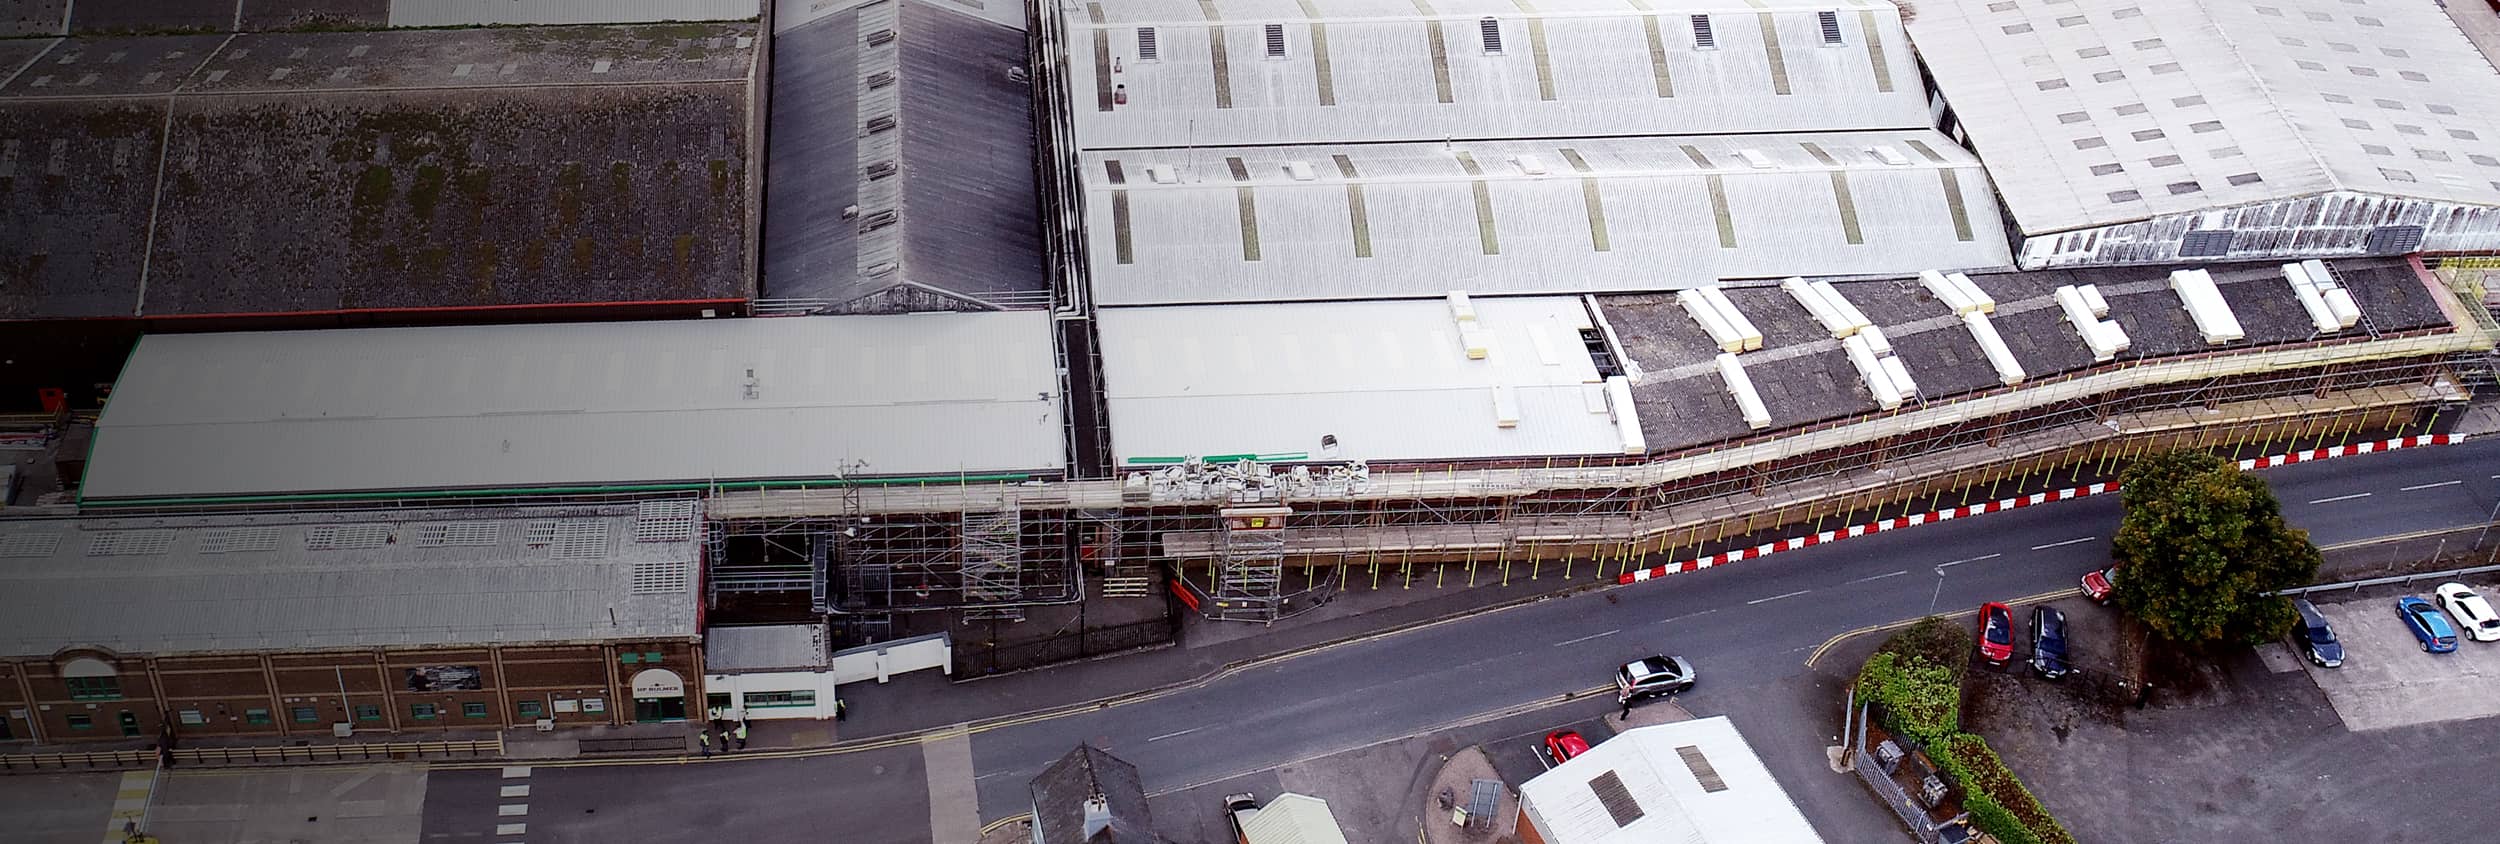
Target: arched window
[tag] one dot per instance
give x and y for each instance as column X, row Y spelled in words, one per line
column 89, row 678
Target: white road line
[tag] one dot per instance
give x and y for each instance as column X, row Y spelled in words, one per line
column 2428, row 486
column 992, row 774
column 2058, row 544
column 1879, row 577
column 516, row 771
column 1588, row 637
column 515, row 791
column 2342, row 498
column 1176, row 735
column 512, row 829
column 1777, row 597
column 512, row 810
column 1686, row 616
column 1971, row 560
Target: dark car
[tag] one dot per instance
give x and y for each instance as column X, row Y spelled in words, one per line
column 2048, row 643
column 2315, row 638
column 2098, row 583
column 1996, row 633
column 1564, row 744
column 1650, row 677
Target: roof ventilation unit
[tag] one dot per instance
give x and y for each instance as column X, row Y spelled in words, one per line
column 2106, row 338
column 1756, row 159
column 1530, row 165
column 2009, row 370
column 1505, row 406
column 1492, row 30
column 1300, row 171
column 1163, row 174
column 1889, row 156
column 2205, row 305
column 1748, row 402
column 1461, row 310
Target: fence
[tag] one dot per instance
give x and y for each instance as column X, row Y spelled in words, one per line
column 255, row 755
column 981, row 660
column 1878, row 778
column 2401, row 579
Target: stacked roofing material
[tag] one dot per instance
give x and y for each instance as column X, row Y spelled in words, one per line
column 1886, row 378
column 2330, row 306
column 1748, row 400
column 2085, row 309
column 1958, row 292
column 1827, row 305
column 1727, row 326
column 2205, row 305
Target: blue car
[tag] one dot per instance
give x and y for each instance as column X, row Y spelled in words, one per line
column 2428, row 624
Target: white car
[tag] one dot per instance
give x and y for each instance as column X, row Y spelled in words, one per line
column 2473, row 614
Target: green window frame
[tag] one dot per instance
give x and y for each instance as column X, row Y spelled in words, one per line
column 305, row 714
column 530, row 709
column 473, row 709
column 93, row 688
column 652, row 657
column 368, row 712
column 81, row 721
column 629, row 658
column 779, row 700
column 423, row 711
column 256, row 716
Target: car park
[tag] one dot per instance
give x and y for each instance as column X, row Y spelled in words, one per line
column 1653, row 676
column 2470, row 611
column 2315, row 638
column 2098, row 583
column 1996, row 633
column 2428, row 625
column 1562, row 745
column 2048, row 643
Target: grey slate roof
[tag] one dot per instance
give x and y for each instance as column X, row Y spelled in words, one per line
column 1059, row 796
column 304, row 581
column 964, row 230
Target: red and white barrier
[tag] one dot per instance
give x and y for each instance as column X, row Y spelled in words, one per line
column 1897, row 522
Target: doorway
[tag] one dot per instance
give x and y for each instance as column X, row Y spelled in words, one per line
column 130, row 724
column 659, row 695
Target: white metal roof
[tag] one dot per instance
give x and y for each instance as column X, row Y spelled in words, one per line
column 1417, row 219
column 1674, row 807
column 524, row 12
column 301, row 581
column 1384, row 70
column 579, row 404
column 1293, row 819
column 1390, row 380
column 770, row 647
column 2096, row 112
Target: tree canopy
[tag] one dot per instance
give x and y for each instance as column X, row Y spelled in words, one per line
column 2199, row 544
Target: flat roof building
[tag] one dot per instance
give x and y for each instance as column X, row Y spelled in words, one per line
column 1689, row 782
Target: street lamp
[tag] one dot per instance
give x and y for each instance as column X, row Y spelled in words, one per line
column 1939, row 593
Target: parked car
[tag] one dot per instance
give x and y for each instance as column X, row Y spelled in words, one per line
column 2048, row 643
column 1561, row 745
column 1996, row 633
column 1650, row 677
column 2427, row 624
column 2473, row 614
column 2315, row 638
column 1237, row 810
column 2098, row 583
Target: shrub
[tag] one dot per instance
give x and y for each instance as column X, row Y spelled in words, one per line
column 1996, row 799
column 1918, row 699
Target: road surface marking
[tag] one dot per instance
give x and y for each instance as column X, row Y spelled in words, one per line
column 1176, row 735
column 1879, row 577
column 1687, row 615
column 1588, row 637
column 2058, row 544
column 512, row 828
column 954, row 800
column 1777, row 597
column 516, row 791
column 1971, row 560
column 2429, row 486
column 510, row 809
column 2342, row 498
column 516, row 771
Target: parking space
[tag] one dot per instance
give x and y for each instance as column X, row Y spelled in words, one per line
column 2388, row 681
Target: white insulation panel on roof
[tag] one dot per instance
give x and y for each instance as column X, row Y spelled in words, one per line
column 1613, row 214
column 539, row 12
column 1375, row 70
column 1390, row 380
column 1660, row 769
column 580, row 404
column 2100, row 112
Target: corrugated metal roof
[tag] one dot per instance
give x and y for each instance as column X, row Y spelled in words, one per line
column 1675, row 806
column 1293, row 819
column 1244, row 72
column 1389, row 220
column 1390, row 380
column 902, row 164
column 520, row 12
column 584, row 403
column 775, row 647
column 340, row 580
column 2098, row 112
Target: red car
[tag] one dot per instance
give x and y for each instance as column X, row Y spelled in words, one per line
column 1996, row 633
column 2097, row 584
column 1564, row 744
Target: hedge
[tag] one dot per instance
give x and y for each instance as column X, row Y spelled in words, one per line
column 1915, row 681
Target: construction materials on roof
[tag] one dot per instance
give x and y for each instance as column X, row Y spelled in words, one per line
column 1461, row 309
column 1957, row 292
column 1727, row 326
column 2205, row 305
column 2311, row 300
column 1627, row 422
column 2008, row 369
column 1505, row 406
column 1820, row 299
column 2105, row 337
column 2338, row 300
column 1878, row 381
column 1748, row 401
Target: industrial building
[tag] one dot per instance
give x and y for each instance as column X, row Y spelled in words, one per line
column 1694, row 781
column 2123, row 132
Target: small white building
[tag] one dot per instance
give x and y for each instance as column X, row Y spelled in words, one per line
column 1689, row 782
column 785, row 670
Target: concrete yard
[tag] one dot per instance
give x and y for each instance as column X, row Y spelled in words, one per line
column 2387, row 680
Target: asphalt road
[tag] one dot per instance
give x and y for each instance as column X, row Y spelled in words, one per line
column 1746, row 626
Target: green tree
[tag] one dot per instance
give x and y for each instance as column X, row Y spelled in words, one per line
column 2199, row 545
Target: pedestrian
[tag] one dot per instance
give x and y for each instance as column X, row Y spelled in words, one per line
column 742, row 735
column 841, row 709
column 706, row 737
column 1627, row 710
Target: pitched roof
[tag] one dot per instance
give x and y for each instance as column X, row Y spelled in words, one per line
column 1061, row 791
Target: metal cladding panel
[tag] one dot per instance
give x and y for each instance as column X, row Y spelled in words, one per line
column 1643, row 216
column 534, row 12
column 812, row 169
column 579, row 404
column 1561, row 70
column 971, row 217
column 2337, row 224
column 1390, row 380
column 2102, row 112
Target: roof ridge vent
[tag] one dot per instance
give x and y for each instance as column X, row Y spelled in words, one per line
column 1163, row 174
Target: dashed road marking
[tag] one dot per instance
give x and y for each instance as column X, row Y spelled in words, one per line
column 508, row 810
column 1878, row 577
column 1970, row 560
column 1777, row 597
column 512, row 829
column 2343, row 498
column 516, row 771
column 2428, row 486
column 516, row 791
column 1588, row 637
column 1174, row 735
column 2062, row 544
